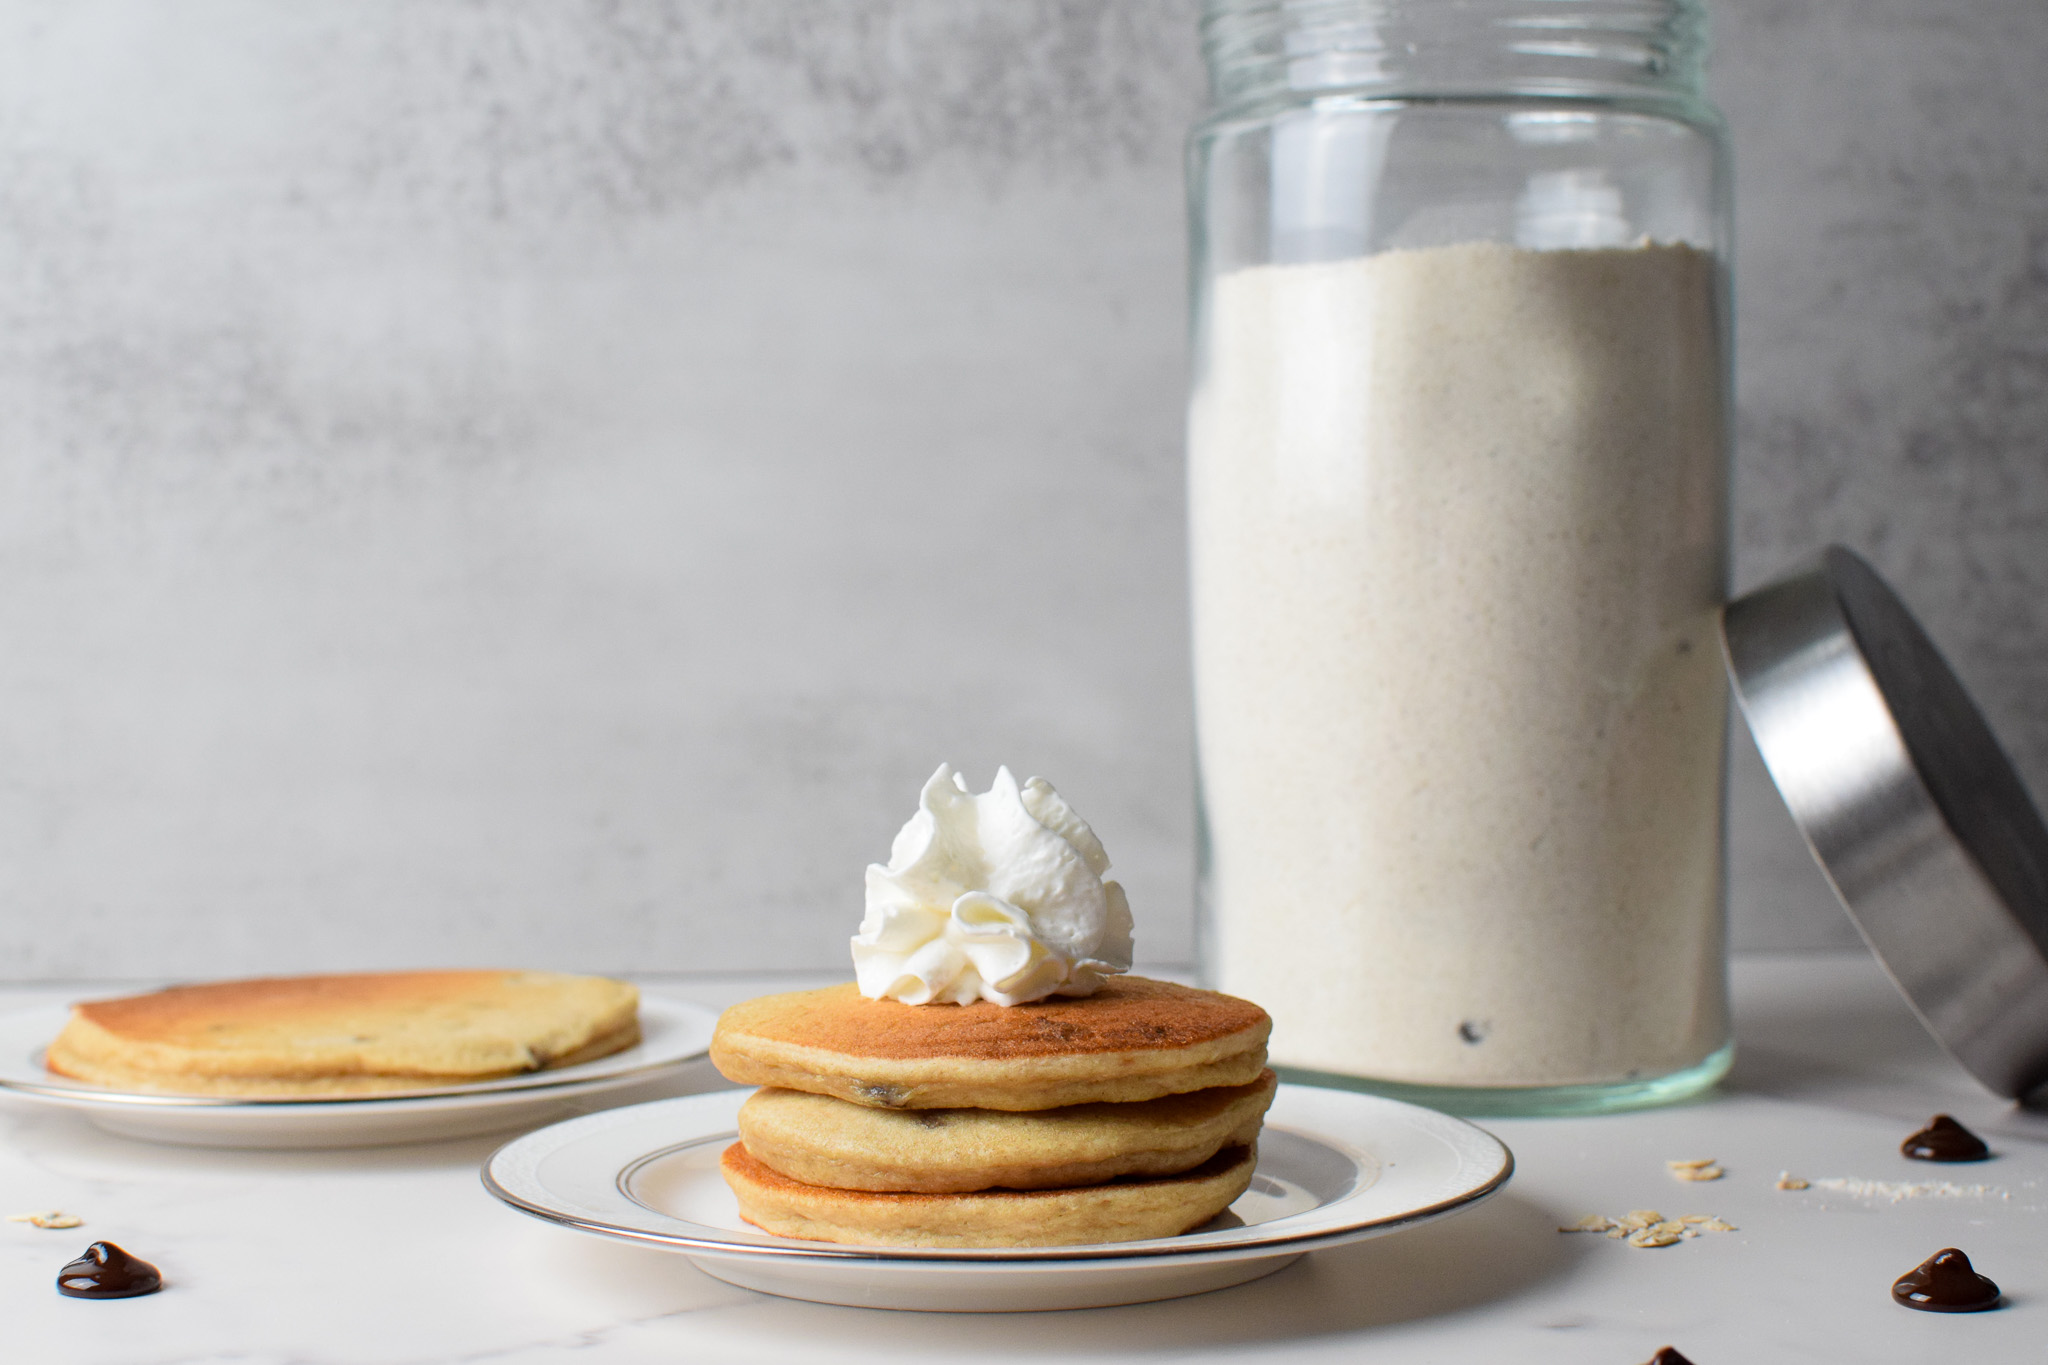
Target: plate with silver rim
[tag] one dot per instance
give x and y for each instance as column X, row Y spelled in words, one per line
column 673, row 1034
column 1334, row 1167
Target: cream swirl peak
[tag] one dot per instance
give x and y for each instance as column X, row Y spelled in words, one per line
column 996, row 897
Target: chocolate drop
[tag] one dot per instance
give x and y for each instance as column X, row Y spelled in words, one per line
column 107, row 1272
column 1943, row 1139
column 1945, row 1283
column 1667, row 1355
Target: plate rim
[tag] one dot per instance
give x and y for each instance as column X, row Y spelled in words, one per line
column 1100, row 1254
column 86, row 1095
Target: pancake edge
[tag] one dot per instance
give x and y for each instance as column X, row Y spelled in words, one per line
column 1018, row 1085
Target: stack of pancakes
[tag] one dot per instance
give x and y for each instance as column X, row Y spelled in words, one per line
column 1130, row 1113
column 355, row 1034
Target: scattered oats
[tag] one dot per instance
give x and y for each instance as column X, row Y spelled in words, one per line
column 48, row 1218
column 1692, row 1165
column 1707, row 1172
column 1789, row 1181
column 1649, row 1228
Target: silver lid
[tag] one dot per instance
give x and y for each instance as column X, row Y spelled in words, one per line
column 1909, row 806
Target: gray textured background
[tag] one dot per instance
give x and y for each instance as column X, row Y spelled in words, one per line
column 543, row 482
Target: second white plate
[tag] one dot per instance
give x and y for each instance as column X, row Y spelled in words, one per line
column 673, row 1033
column 1334, row 1167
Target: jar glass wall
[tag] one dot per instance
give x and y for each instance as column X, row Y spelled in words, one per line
column 1458, row 500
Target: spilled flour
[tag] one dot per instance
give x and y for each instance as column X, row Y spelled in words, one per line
column 1893, row 1191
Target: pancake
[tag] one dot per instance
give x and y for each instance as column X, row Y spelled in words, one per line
column 1134, row 1039
column 1121, row 1211
column 364, row 1033
column 824, row 1141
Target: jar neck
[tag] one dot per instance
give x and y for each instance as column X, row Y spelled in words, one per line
column 1260, row 50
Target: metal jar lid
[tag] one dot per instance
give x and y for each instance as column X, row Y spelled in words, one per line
column 1909, row 805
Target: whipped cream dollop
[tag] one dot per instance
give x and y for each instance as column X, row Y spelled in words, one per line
column 996, row 897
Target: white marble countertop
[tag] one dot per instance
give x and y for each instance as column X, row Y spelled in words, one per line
column 396, row 1256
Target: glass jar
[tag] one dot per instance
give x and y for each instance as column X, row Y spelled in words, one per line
column 1458, row 518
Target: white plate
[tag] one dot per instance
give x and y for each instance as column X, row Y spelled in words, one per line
column 672, row 1034
column 1334, row 1167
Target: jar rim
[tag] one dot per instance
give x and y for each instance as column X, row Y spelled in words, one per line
column 1259, row 50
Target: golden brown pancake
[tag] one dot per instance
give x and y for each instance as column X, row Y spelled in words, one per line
column 362, row 1033
column 824, row 1141
column 1121, row 1211
column 1134, row 1039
